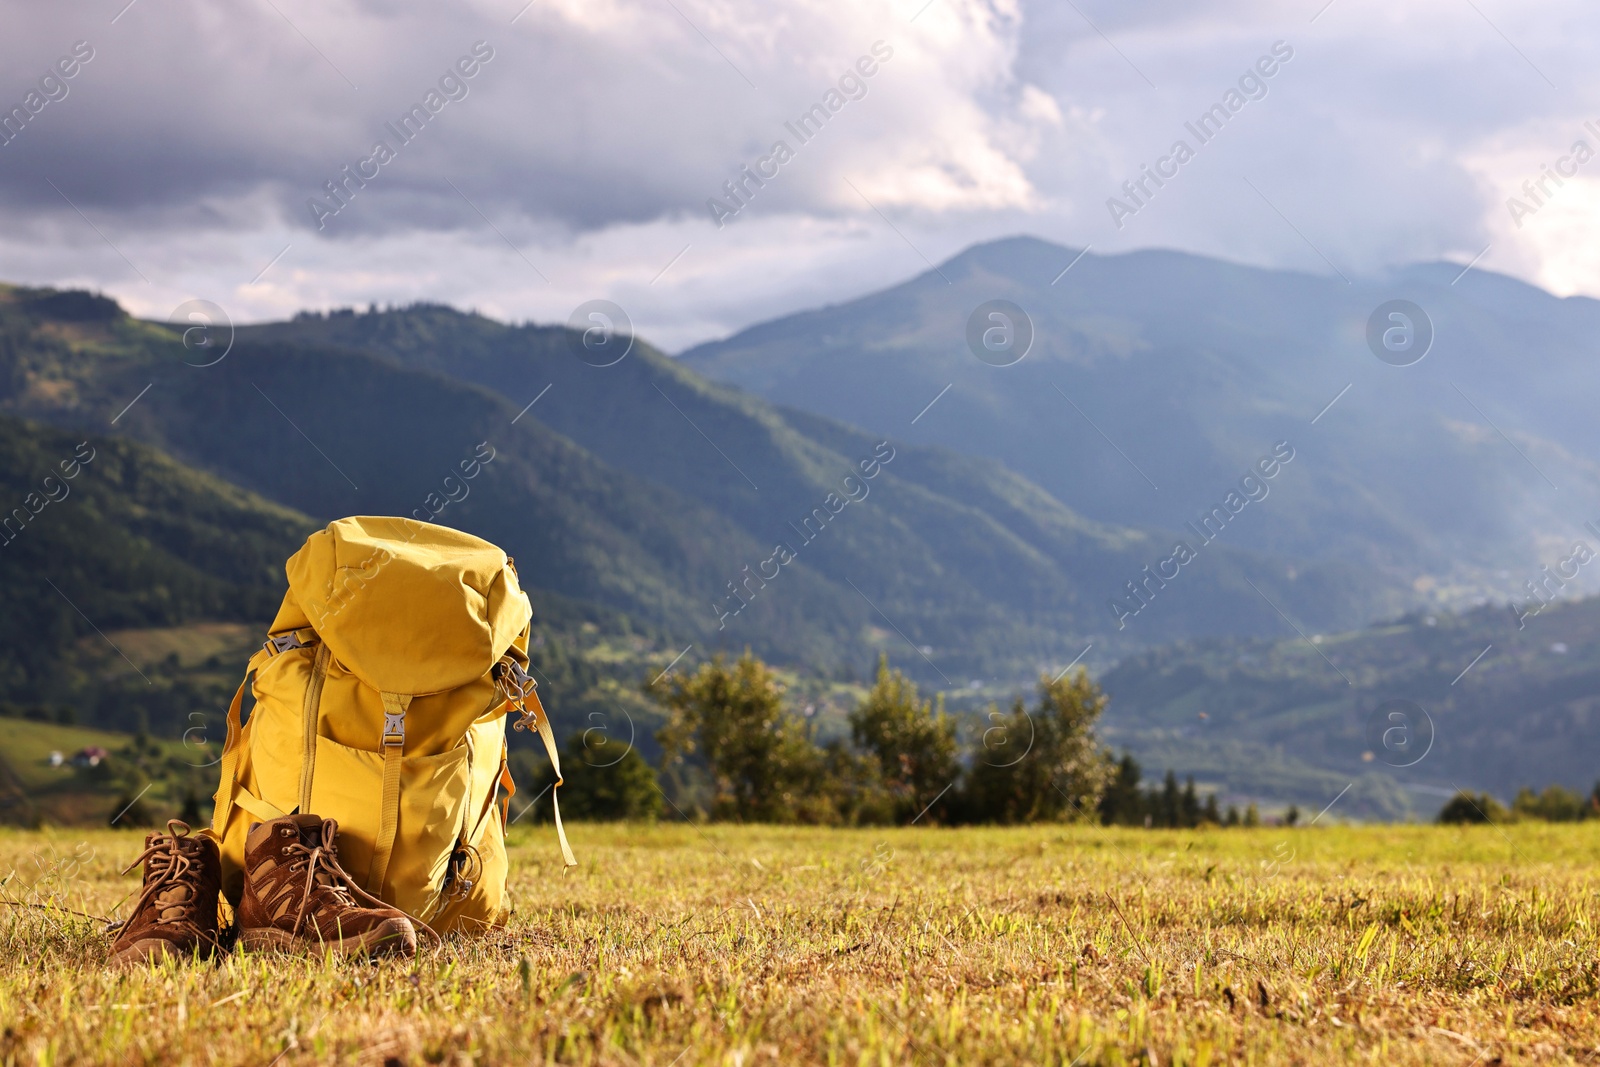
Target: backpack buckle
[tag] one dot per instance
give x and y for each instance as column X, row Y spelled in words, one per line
column 284, row 642
column 522, row 678
column 512, row 679
column 394, row 729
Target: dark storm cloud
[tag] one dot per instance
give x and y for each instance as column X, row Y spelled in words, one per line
column 602, row 131
column 181, row 106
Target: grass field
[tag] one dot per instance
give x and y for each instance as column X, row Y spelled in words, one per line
column 675, row 944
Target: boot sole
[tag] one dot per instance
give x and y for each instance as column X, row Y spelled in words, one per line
column 154, row 950
column 396, row 936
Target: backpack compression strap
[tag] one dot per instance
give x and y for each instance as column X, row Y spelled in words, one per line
column 394, row 747
column 541, row 722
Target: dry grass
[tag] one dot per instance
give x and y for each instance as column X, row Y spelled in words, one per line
column 729, row 945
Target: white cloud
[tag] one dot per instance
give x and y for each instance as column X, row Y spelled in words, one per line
column 593, row 139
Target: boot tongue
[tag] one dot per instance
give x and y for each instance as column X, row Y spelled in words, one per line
column 311, row 837
column 310, row 827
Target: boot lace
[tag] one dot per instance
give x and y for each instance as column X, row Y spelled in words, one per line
column 169, row 877
column 320, row 862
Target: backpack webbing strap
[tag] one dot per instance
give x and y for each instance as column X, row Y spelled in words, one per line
column 542, row 722
column 394, row 748
column 491, row 801
column 508, row 784
column 308, row 710
column 227, row 786
column 256, row 806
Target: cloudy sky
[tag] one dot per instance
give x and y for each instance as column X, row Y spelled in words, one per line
column 187, row 156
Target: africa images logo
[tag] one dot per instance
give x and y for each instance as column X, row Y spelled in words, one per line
column 999, row 333
column 453, row 85
column 1252, row 487
column 51, row 88
column 851, row 85
column 1252, row 85
column 853, row 489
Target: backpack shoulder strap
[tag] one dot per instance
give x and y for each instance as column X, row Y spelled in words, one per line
column 228, row 786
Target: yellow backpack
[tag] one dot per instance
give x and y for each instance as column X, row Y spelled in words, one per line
column 381, row 696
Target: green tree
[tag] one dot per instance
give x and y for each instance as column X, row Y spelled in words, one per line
column 1189, row 805
column 913, row 743
column 763, row 765
column 851, row 791
column 1169, row 807
column 1122, row 804
column 1466, row 809
column 1555, row 804
column 1041, row 765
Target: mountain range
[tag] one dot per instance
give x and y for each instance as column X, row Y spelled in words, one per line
column 640, row 487
column 1196, row 467
column 1155, row 378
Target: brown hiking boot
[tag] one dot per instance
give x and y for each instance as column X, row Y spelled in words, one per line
column 297, row 898
column 176, row 914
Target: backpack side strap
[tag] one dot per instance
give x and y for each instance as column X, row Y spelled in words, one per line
column 542, row 724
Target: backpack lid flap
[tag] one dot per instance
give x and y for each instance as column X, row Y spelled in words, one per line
column 408, row 607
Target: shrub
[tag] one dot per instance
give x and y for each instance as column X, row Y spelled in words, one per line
column 603, row 780
column 131, row 813
column 1466, row 809
column 607, row 779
